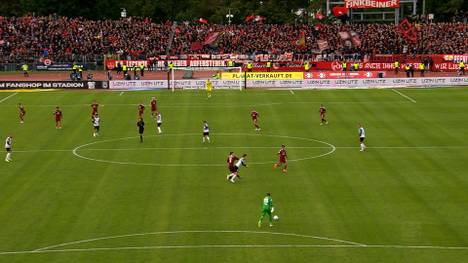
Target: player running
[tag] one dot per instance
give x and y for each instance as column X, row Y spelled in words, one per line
column 159, row 122
column 362, row 136
column 206, row 132
column 322, row 111
column 154, row 107
column 8, row 143
column 231, row 160
column 141, row 128
column 141, row 110
column 267, row 209
column 254, row 115
column 96, row 123
column 237, row 166
column 22, row 112
column 209, row 88
column 58, row 118
column 94, row 109
column 282, row 162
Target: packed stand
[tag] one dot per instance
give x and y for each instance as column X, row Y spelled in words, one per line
column 26, row 39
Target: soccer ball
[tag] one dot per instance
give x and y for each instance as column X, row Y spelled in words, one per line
column 275, row 217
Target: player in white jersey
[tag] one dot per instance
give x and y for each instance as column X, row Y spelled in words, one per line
column 362, row 136
column 159, row 121
column 206, row 131
column 8, row 142
column 237, row 166
column 96, row 123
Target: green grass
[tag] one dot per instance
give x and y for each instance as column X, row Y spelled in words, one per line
column 408, row 189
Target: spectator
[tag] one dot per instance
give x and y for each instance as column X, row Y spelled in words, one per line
column 26, row 39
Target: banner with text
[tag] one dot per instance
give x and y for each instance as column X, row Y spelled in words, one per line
column 372, row 3
column 293, row 83
column 263, row 75
column 53, row 85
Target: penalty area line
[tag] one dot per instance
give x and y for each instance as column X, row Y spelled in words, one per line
column 404, row 96
column 7, row 97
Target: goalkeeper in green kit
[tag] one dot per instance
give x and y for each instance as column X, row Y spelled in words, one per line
column 267, row 209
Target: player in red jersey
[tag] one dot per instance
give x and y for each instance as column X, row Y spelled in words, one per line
column 254, row 114
column 231, row 160
column 154, row 107
column 22, row 112
column 94, row 108
column 58, row 118
column 282, row 159
column 141, row 110
column 322, row 111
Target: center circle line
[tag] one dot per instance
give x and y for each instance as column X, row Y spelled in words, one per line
column 82, row 148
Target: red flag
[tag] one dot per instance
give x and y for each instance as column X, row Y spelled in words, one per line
column 249, row 18
column 339, row 11
column 408, row 31
column 319, row 15
column 210, row 38
column 404, row 26
column 203, row 20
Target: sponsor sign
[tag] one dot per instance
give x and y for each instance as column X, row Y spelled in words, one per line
column 263, row 75
column 296, row 83
column 372, row 3
column 138, row 84
column 53, row 85
column 341, row 75
column 50, row 66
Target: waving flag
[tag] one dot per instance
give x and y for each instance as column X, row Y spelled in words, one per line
column 301, row 41
column 203, row 20
column 408, row 31
column 211, row 38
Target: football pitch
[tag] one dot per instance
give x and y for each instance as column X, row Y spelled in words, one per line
column 70, row 197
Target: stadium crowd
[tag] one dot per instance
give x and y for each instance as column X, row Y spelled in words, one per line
column 25, row 39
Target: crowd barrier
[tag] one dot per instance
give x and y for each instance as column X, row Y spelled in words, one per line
column 294, row 83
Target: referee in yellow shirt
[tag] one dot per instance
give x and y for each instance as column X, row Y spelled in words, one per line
column 209, row 87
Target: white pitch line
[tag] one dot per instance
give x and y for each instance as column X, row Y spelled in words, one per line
column 75, row 151
column 7, row 97
column 245, row 147
column 121, row 93
column 404, row 96
column 197, row 232
column 292, row 92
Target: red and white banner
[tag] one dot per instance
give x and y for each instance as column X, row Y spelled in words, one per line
column 112, row 64
column 372, row 3
column 341, row 75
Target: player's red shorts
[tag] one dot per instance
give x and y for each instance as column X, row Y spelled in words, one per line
column 282, row 160
column 153, row 109
column 254, row 119
column 232, row 169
